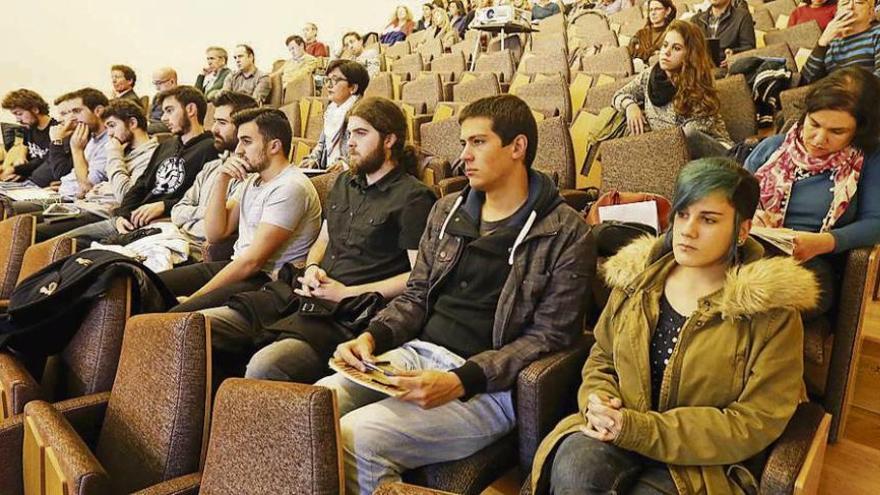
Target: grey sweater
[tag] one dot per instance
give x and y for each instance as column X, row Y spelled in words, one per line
column 189, row 213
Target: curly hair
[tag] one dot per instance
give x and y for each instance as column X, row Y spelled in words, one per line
column 695, row 93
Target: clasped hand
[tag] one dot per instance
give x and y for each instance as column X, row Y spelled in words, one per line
column 316, row 283
column 604, row 418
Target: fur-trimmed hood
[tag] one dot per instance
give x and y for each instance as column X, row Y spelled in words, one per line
column 758, row 285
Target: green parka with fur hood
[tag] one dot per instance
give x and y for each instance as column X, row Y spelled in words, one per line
column 732, row 383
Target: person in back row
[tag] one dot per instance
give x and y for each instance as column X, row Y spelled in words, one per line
column 213, row 76
column 123, row 79
column 851, row 38
column 346, row 82
column 500, row 279
column 276, row 213
column 730, row 24
column 301, row 64
column 164, row 78
column 314, row 47
column 354, row 49
column 248, row 79
column 189, row 213
column 678, row 91
column 32, row 113
column 376, row 213
column 170, row 172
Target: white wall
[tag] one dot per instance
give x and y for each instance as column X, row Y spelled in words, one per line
column 53, row 46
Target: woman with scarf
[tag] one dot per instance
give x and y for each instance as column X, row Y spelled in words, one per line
column 648, row 40
column 822, row 177
column 346, row 81
column 698, row 362
column 678, row 91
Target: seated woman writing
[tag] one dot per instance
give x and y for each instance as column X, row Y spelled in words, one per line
column 698, row 360
column 822, row 177
column 678, row 91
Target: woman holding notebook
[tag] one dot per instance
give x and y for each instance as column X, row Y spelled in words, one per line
column 822, row 177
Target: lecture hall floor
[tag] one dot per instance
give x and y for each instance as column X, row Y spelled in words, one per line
column 850, row 468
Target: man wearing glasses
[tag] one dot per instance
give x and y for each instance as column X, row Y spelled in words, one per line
column 851, row 38
column 163, row 80
column 346, row 81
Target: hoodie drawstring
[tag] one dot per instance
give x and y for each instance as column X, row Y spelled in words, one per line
column 455, row 206
column 522, row 235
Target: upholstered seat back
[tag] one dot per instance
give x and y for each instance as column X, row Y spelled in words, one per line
column 157, row 413
column 555, row 154
column 648, row 162
column 273, row 437
column 16, row 235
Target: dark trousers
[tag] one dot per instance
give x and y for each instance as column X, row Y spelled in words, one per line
column 583, row 466
column 186, row 280
column 47, row 230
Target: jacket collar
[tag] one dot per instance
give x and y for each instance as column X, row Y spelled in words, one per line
column 757, row 285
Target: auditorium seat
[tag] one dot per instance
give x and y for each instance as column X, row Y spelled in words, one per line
column 794, row 103
column 267, row 437
column 737, row 107
column 628, row 15
column 87, row 365
column 292, row 111
column 779, row 50
column 408, row 66
column 426, row 90
column 611, row 61
column 763, row 21
column 299, row 88
column 398, row 50
column 777, row 8
column 548, row 95
column 501, row 63
column 599, row 97
column 381, row 85
column 42, row 254
column 549, row 42
column 546, row 62
column 474, row 86
column 647, row 162
column 149, row 428
column 449, row 66
column 16, row 235
column 276, row 93
column 804, row 35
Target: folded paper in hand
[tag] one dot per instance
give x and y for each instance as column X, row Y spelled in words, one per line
column 782, row 239
column 374, row 380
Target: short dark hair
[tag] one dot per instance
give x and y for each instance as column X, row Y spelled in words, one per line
column 296, row 38
column 352, row 33
column 387, row 118
column 353, row 71
column 26, row 99
column 218, row 49
column 186, row 95
column 124, row 110
column 706, row 176
column 127, row 72
column 91, row 98
column 855, row 91
column 271, row 123
column 247, row 48
column 510, row 117
column 238, row 101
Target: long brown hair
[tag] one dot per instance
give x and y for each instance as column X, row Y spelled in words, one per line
column 667, row 4
column 695, row 93
column 387, row 118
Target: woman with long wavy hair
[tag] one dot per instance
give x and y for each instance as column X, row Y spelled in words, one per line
column 678, row 91
column 648, row 40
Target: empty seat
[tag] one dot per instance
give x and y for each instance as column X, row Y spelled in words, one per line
column 276, row 93
column 286, row 432
column 292, row 111
column 149, row 428
column 627, row 16
column 475, row 86
column 763, row 21
column 501, row 63
column 647, row 162
column 794, row 103
column 408, row 66
column 548, row 95
column 804, row 35
column 442, row 139
column 299, row 88
column 737, row 107
column 599, row 97
column 450, row 66
column 777, row 8
column 381, row 85
column 397, row 50
column 427, row 90
column 614, row 62
column 430, row 49
column 590, row 37
column 589, row 21
column 548, row 42
column 555, row 153
column 548, row 62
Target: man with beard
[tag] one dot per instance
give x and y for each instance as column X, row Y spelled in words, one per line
column 189, row 213
column 128, row 151
column 170, row 171
column 276, row 212
column 376, row 212
column 32, row 113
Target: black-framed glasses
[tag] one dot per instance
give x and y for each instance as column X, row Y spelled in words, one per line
column 332, row 81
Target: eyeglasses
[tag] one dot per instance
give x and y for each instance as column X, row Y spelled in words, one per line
column 159, row 83
column 332, row 81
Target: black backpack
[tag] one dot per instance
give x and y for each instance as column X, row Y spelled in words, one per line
column 45, row 309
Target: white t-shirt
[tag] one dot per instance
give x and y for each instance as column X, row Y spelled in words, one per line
column 288, row 201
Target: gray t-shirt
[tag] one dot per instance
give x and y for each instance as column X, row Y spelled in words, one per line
column 289, row 201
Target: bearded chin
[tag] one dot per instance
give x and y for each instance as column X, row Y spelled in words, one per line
column 369, row 163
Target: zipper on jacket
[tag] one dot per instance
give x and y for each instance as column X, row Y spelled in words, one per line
column 442, row 277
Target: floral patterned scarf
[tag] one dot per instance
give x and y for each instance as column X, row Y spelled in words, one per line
column 792, row 162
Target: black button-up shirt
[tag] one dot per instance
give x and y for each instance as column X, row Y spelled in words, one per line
column 371, row 227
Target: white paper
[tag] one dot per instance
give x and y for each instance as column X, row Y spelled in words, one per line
column 644, row 212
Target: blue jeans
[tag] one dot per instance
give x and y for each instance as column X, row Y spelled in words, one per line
column 583, row 466
column 382, row 436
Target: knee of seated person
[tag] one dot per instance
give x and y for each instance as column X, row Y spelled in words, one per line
column 582, row 463
column 362, row 436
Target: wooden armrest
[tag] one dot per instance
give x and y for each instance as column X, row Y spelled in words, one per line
column 85, row 414
column 17, row 386
column 790, row 451
column 53, row 454
column 187, row 484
